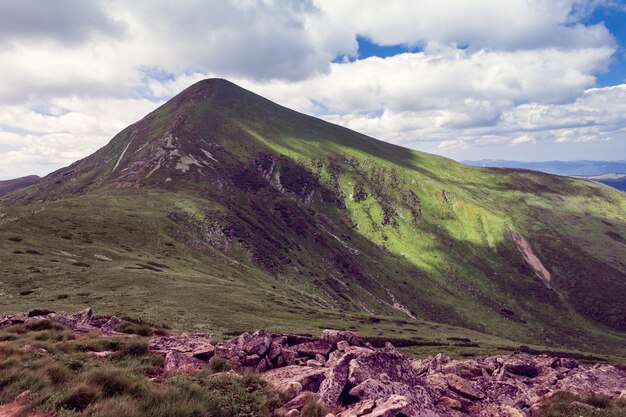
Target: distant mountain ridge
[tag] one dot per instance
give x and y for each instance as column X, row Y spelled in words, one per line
column 225, row 210
column 7, row 186
column 569, row 168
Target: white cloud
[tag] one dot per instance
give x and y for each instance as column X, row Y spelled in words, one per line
column 74, row 77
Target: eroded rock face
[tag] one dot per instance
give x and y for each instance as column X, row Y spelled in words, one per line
column 344, row 373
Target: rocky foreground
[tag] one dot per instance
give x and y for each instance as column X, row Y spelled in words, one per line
column 354, row 379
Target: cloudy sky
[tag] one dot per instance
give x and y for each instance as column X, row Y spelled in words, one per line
column 468, row 79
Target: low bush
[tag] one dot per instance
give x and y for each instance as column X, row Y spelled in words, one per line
column 134, row 328
column 217, row 364
column 313, row 408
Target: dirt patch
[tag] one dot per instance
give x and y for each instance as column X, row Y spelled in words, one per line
column 529, row 256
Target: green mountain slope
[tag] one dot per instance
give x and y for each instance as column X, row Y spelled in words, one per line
column 224, row 208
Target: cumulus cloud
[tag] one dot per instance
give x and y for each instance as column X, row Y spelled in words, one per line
column 67, row 21
column 485, row 74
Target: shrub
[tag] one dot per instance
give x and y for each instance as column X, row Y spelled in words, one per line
column 117, row 406
column 598, row 401
column 133, row 348
column 58, row 374
column 43, row 324
column 313, row 408
column 133, row 328
column 112, row 382
column 218, row 364
column 81, row 397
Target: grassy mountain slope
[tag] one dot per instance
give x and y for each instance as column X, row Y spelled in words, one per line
column 225, row 209
column 7, row 186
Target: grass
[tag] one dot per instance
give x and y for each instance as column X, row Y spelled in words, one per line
column 62, row 378
column 565, row 404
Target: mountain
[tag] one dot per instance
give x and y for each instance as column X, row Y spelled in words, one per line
column 8, row 186
column 569, row 168
column 226, row 209
column 617, row 181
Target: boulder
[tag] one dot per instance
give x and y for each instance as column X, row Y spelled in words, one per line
column 464, row 388
column 390, row 407
column 177, row 362
column 309, row 378
column 335, row 336
column 378, row 375
column 274, row 351
column 372, row 364
column 195, row 345
column 336, row 380
column 258, row 343
column 522, row 366
column 83, row 316
column 449, row 403
column 289, row 356
column 318, row 347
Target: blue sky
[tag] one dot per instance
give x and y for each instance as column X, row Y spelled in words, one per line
column 467, row 79
column 615, row 21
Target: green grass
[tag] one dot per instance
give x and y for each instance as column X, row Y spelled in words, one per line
column 54, row 366
column 565, row 404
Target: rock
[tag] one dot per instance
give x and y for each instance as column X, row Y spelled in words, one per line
column 309, row 378
column 111, row 324
column 258, row 343
column 336, row 380
column 335, row 336
column 569, row 363
column 603, row 379
column 292, row 413
column 390, row 407
column 436, row 364
column 318, row 347
column 522, row 366
column 83, row 316
column 365, row 407
column 196, row 345
column 464, row 388
column 320, row 358
column 449, row 403
column 274, row 351
column 505, row 393
column 292, row 390
column 280, row 361
column 250, row 360
column 102, row 355
column 298, row 402
column 177, row 362
column 261, row 366
column 289, row 356
column 371, row 365
column 389, row 347
column 379, row 375
column 342, row 345
column 313, row 363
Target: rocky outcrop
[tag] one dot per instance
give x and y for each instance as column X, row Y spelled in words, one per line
column 356, row 380
column 82, row 322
